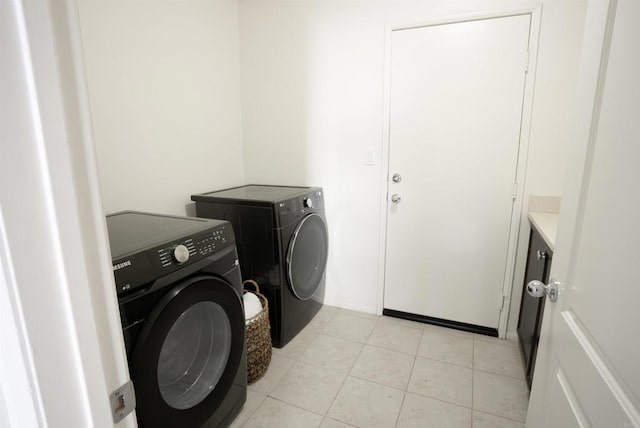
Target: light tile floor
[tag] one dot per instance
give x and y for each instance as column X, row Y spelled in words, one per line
column 351, row 369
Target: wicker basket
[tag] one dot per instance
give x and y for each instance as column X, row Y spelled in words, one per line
column 258, row 337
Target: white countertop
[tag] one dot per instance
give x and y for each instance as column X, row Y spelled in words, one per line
column 546, row 224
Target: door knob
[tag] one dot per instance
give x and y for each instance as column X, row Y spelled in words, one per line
column 395, row 198
column 539, row 289
column 397, row 178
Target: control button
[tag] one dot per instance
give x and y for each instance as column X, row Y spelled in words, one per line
column 307, row 202
column 180, row 253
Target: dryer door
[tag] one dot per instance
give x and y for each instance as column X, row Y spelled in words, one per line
column 307, row 256
column 188, row 353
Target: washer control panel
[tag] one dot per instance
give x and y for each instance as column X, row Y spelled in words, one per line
column 180, row 254
column 176, row 253
column 194, row 248
column 138, row 269
column 210, row 242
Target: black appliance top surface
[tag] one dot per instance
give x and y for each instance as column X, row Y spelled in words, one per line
column 131, row 231
column 254, row 192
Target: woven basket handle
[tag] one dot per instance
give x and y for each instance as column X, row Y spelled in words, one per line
column 253, row 283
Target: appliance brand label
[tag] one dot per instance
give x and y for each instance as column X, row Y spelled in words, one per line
column 121, row 265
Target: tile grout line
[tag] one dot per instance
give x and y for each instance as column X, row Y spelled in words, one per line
column 501, row 375
column 296, row 361
column 264, row 398
column 446, row 362
column 404, row 395
column 439, row 400
column 495, row 374
column 344, row 381
column 392, row 350
column 336, row 396
column 297, row 407
column 357, row 377
column 376, row 382
column 287, row 372
column 502, row 417
column 406, row 389
column 379, row 322
column 338, row 420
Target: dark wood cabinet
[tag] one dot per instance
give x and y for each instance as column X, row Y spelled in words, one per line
column 531, row 308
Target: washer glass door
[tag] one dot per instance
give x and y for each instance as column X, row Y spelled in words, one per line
column 194, row 355
column 188, row 353
column 307, row 256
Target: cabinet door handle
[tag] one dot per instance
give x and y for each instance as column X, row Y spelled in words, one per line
column 541, row 255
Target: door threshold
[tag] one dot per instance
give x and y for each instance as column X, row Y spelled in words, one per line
column 471, row 328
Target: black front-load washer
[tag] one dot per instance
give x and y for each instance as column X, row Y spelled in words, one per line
column 180, row 296
column 282, row 243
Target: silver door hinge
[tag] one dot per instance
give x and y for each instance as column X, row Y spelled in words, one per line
column 501, row 300
column 123, row 401
column 526, row 62
column 514, row 192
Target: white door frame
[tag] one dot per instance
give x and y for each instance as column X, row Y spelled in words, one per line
column 533, row 9
column 57, row 291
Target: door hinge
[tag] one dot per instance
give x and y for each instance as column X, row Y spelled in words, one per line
column 501, row 300
column 526, row 62
column 514, row 192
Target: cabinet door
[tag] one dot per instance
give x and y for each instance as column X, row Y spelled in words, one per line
column 547, row 256
column 531, row 308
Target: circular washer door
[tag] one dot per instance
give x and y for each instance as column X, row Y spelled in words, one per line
column 307, row 256
column 188, row 353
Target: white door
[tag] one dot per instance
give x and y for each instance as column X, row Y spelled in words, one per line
column 61, row 347
column 587, row 372
column 456, row 98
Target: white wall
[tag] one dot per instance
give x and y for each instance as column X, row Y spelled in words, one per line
column 164, row 84
column 164, row 91
column 312, row 76
column 552, row 121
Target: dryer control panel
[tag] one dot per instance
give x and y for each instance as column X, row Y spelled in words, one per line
column 293, row 209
